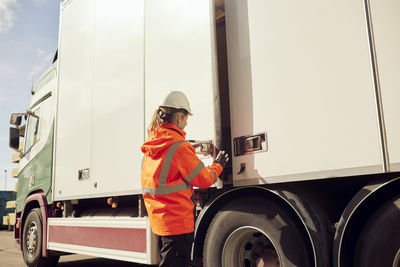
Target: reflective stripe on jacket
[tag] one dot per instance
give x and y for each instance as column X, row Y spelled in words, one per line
column 170, row 170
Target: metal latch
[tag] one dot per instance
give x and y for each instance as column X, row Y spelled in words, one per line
column 83, row 174
column 204, row 148
column 242, row 168
column 250, row 144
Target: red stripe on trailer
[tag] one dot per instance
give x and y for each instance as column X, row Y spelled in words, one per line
column 127, row 239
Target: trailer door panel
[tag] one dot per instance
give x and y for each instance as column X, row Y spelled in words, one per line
column 73, row 122
column 105, row 64
column 118, row 106
column 301, row 72
column 179, row 55
column 100, row 111
column 386, row 26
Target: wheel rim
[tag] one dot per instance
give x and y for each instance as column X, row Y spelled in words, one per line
column 31, row 239
column 249, row 247
column 396, row 261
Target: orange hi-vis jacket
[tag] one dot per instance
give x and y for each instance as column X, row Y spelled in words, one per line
column 170, row 170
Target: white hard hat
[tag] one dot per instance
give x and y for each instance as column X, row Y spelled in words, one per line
column 176, row 99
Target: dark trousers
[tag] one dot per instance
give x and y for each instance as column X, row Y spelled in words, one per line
column 175, row 250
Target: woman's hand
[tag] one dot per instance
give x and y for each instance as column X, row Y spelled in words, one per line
column 222, row 158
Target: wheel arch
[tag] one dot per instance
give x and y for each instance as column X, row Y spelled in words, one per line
column 311, row 224
column 35, row 200
column 356, row 214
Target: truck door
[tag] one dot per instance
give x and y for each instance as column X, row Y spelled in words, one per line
column 300, row 72
column 386, row 33
column 180, row 55
column 116, row 60
column 74, row 100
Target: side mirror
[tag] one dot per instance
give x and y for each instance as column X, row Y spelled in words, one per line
column 14, row 138
column 16, row 119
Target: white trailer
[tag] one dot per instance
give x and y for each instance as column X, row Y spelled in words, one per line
column 303, row 94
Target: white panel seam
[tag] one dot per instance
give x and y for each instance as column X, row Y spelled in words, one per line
column 377, row 86
column 91, row 180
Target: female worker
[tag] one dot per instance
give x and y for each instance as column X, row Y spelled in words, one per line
column 170, row 170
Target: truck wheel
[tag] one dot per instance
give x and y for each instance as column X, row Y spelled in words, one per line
column 254, row 232
column 32, row 239
column 379, row 241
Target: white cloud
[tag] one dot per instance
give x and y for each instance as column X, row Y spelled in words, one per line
column 7, row 14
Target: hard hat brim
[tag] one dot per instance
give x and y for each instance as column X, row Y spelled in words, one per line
column 167, row 106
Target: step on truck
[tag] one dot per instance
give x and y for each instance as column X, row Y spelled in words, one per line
column 303, row 93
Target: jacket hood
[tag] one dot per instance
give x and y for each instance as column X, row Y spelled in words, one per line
column 162, row 138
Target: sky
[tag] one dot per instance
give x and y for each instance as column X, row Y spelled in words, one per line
column 28, row 42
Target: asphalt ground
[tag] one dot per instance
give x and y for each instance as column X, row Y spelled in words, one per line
column 10, row 256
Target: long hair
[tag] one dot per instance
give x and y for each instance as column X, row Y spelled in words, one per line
column 163, row 115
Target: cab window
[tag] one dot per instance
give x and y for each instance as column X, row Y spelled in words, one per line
column 32, row 130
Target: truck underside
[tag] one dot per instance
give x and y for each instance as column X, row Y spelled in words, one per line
column 335, row 222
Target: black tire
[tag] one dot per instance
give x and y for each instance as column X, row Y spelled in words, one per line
column 379, row 241
column 32, row 240
column 252, row 229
